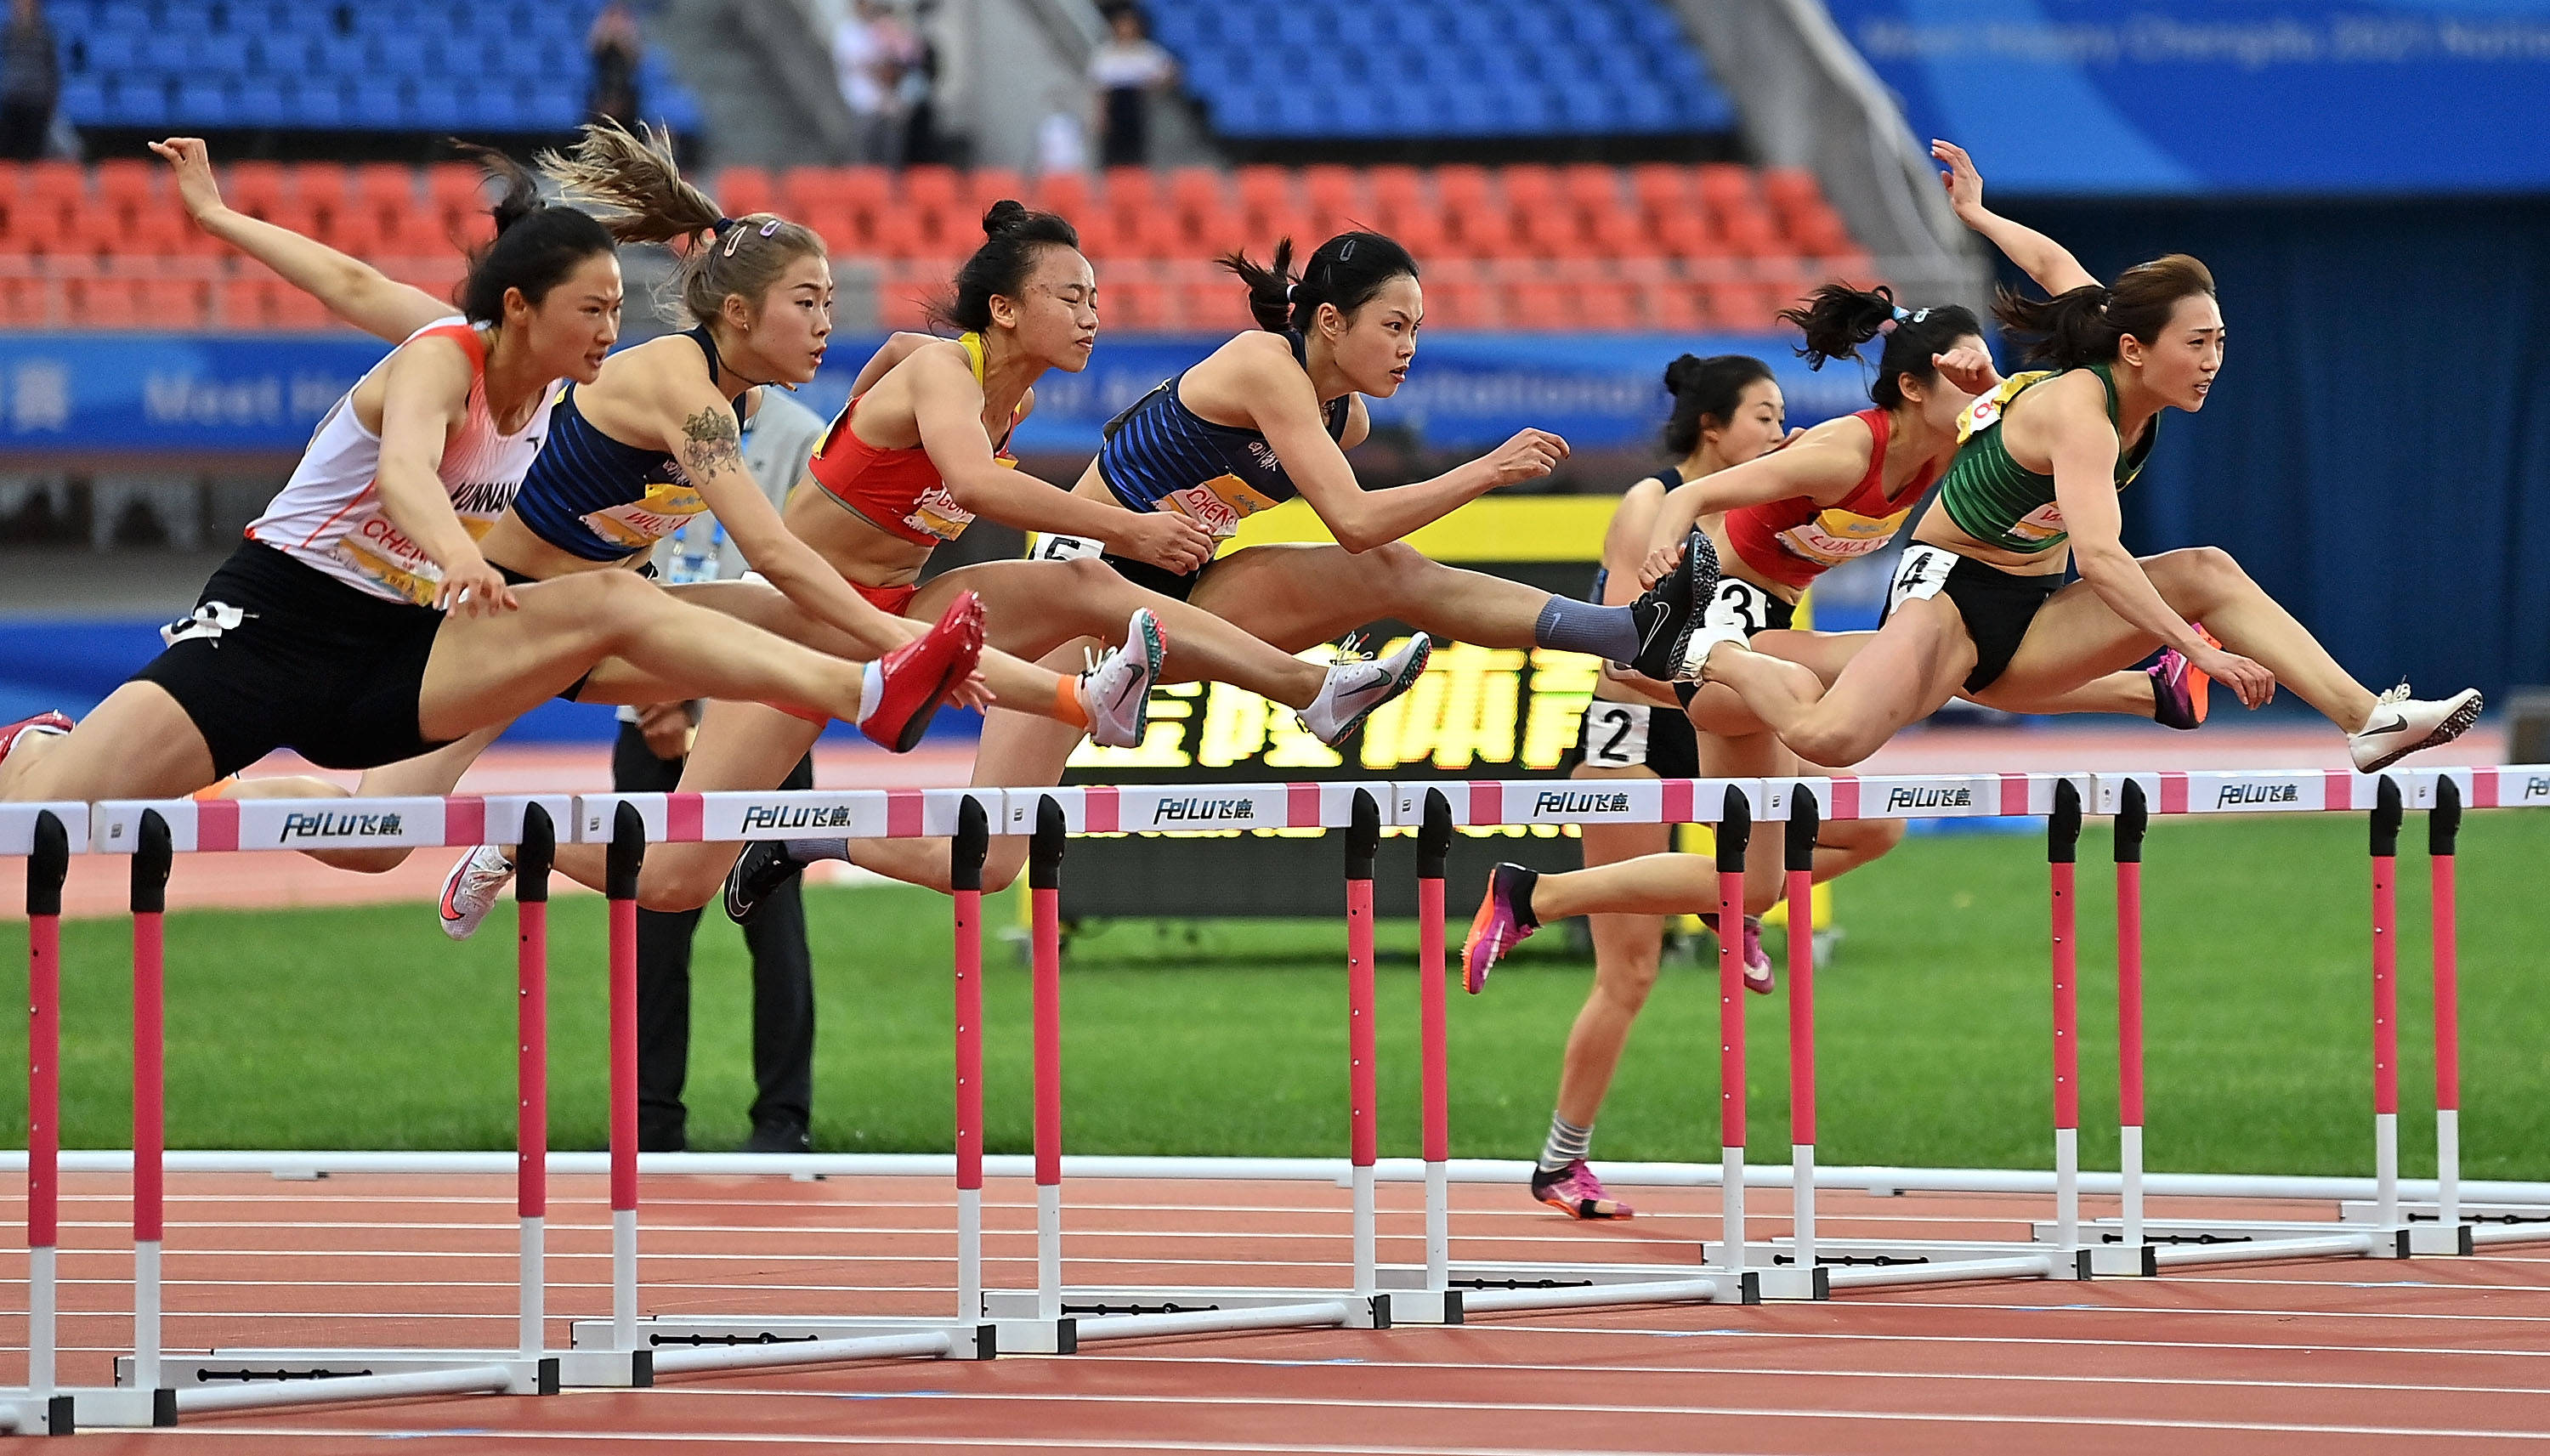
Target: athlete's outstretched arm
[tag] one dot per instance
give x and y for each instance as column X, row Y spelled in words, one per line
column 2083, row 448
column 698, row 427
column 424, row 394
column 353, row 289
column 947, row 409
column 2042, row 258
column 1821, row 467
column 1285, row 408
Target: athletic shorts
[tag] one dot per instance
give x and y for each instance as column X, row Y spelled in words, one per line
column 1740, row 606
column 1143, row 574
column 1996, row 605
column 890, row 600
column 281, row 655
column 1646, row 736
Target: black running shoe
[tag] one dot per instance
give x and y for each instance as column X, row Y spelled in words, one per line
column 1667, row 612
column 761, row 868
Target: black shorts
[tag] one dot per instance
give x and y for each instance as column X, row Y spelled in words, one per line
column 1143, row 574
column 1744, row 606
column 1646, row 736
column 1996, row 605
column 281, row 655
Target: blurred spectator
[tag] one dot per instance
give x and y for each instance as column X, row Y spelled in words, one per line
column 871, row 51
column 917, row 90
column 615, row 47
column 1125, row 71
column 1062, row 137
column 31, row 80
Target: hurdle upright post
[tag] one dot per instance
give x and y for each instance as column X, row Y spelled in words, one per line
column 2062, row 851
column 1734, row 830
column 1044, row 889
column 1363, row 1098
column 2444, row 828
column 2133, row 818
column 2386, row 820
column 1434, row 849
column 151, row 860
column 48, row 866
column 966, row 854
column 533, row 858
column 626, row 854
column 1803, row 821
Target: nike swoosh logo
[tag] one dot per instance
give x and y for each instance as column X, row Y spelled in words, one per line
column 1647, row 638
column 2395, row 724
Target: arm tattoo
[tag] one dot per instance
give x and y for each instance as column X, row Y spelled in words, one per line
column 713, row 443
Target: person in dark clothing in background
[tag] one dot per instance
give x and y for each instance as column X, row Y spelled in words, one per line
column 1125, row 72
column 615, row 47
column 653, row 743
column 31, row 81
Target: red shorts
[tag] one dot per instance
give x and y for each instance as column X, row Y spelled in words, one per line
column 891, row 600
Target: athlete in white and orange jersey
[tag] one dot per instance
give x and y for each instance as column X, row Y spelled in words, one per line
column 360, row 624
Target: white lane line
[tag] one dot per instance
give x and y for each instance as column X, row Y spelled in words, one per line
column 1507, row 1367
column 2095, row 1342
column 2155, row 1311
column 1118, row 1443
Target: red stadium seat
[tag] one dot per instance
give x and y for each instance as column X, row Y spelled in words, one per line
column 1067, row 193
column 1751, row 234
column 1725, row 186
column 1265, row 190
column 1672, row 308
column 931, row 188
column 988, row 185
column 1790, row 188
column 1197, row 192
column 1395, row 187
column 1336, row 198
column 128, row 185
column 898, row 233
column 320, row 184
column 257, row 188
column 1661, row 188
column 1620, row 233
column 384, row 184
column 743, row 190
column 290, row 308
column 902, row 305
column 1131, row 189
column 838, row 227
column 107, row 303
column 454, row 186
column 1528, row 186
column 61, row 183
column 1593, row 188
column 1606, row 304
column 1419, row 228
column 173, row 303
column 866, row 191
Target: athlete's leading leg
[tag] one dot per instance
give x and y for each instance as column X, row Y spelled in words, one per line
column 1914, row 664
column 1033, row 607
column 136, row 745
column 2077, row 635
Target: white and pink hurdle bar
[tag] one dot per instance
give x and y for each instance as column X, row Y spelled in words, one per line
column 152, row 1390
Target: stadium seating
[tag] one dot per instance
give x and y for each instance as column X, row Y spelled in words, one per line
column 1524, row 246
column 378, row 66
column 1275, row 70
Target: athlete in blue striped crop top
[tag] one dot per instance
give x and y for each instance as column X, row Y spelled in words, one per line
column 600, row 499
column 1160, row 454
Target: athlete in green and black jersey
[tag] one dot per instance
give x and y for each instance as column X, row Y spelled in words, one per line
column 1978, row 601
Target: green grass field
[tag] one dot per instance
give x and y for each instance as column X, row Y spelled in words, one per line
column 364, row 1029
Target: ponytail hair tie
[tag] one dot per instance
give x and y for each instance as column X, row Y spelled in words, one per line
column 1292, row 291
column 1901, row 317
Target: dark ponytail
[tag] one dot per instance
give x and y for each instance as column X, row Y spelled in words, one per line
column 2085, row 324
column 1346, row 273
column 1013, row 238
column 535, row 244
column 1705, row 393
column 1837, row 319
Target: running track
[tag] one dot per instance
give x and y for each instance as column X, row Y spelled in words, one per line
column 2324, row 1357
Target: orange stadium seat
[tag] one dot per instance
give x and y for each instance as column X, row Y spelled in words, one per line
column 1585, row 245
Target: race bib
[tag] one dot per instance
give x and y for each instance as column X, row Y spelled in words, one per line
column 668, row 507
column 1835, row 535
column 1218, row 504
column 937, row 513
column 2044, row 524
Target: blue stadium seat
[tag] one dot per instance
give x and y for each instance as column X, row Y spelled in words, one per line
column 201, row 101
column 262, row 103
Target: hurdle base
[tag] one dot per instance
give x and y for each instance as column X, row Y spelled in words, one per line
column 2479, row 1223
column 2171, row 1242
column 1139, row 1314
column 506, row 1371
column 1415, row 1301
column 120, row 1408
column 666, row 1338
column 1492, row 1286
column 1863, row 1263
column 26, row 1413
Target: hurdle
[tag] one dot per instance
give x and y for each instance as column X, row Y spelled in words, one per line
column 155, row 1385
column 1099, row 1312
column 2134, row 1245
column 686, row 1343
column 1459, row 1289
